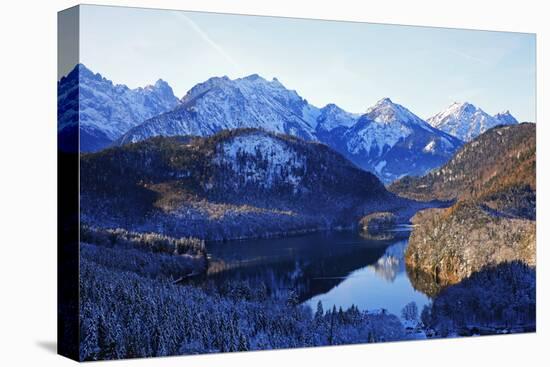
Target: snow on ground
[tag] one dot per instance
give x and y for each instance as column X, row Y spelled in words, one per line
column 282, row 161
column 376, row 135
column 115, row 108
column 385, row 111
column 429, row 148
column 331, row 116
column 466, row 121
column 380, row 166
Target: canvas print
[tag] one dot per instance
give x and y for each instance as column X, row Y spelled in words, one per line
column 234, row 183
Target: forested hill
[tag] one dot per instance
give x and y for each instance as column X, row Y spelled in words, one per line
column 493, row 179
column 234, row 184
column 503, row 158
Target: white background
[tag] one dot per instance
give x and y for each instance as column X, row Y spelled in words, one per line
column 28, row 181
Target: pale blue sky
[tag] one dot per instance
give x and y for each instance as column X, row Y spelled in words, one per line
column 350, row 64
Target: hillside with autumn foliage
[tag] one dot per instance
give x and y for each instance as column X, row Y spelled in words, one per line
column 493, row 182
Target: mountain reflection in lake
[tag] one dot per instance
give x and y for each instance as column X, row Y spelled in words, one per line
column 336, row 268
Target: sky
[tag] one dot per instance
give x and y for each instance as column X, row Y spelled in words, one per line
column 350, row 64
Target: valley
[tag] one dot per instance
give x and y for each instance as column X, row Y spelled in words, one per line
column 242, row 217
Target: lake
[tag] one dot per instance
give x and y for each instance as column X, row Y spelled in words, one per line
column 337, row 268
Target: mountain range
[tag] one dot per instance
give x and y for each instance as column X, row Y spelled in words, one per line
column 105, row 110
column 388, row 139
column 466, row 121
column 391, row 141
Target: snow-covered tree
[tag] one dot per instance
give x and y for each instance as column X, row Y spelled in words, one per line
column 410, row 312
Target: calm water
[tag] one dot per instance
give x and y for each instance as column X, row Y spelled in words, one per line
column 336, row 268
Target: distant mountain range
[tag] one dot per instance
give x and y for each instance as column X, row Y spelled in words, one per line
column 105, row 110
column 391, row 141
column 466, row 121
column 388, row 140
column 221, row 104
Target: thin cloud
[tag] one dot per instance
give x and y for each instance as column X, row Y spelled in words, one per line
column 469, row 57
column 205, row 37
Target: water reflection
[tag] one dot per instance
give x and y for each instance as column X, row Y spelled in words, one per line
column 392, row 263
column 382, row 285
column 337, row 268
column 424, row 282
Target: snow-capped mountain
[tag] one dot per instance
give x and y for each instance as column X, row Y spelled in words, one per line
column 332, row 123
column 466, row 121
column 107, row 110
column 221, row 103
column 388, row 140
column 506, row 118
column 332, row 117
column 382, row 127
column 392, row 141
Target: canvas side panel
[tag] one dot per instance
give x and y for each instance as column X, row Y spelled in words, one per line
column 68, row 184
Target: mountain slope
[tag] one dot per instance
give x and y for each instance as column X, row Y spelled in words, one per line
column 499, row 158
column 106, row 110
column 505, row 118
column 466, row 121
column 392, row 141
column 493, row 180
column 237, row 183
column 333, row 117
column 448, row 245
column 221, row 103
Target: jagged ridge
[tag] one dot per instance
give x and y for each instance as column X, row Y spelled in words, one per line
column 466, row 121
column 388, row 140
column 103, row 110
